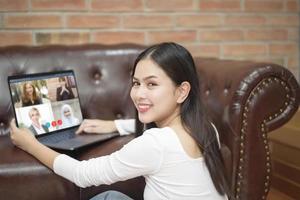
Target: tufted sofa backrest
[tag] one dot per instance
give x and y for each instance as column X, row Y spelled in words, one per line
column 245, row 100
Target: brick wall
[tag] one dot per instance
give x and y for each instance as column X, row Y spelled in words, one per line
column 263, row 30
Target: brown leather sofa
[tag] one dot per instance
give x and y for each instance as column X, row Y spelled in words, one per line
column 246, row 100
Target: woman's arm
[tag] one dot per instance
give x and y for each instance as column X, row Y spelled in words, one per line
column 141, row 156
column 129, row 162
column 71, row 94
column 123, row 126
column 25, row 140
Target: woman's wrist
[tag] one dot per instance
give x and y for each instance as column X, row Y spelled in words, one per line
column 33, row 147
column 43, row 153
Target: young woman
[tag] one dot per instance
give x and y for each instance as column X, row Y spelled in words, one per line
column 30, row 96
column 183, row 142
column 63, row 92
column 67, row 116
column 36, row 127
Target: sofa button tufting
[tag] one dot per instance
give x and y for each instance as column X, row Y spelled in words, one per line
column 226, row 91
column 97, row 77
column 119, row 116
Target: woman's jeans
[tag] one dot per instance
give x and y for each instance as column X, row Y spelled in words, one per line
column 111, row 195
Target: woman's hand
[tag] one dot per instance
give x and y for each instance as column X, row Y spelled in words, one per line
column 64, row 89
column 25, row 140
column 21, row 137
column 96, row 126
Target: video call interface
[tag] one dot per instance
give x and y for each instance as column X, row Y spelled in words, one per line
column 46, row 104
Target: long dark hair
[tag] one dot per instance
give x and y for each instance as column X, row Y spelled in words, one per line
column 179, row 65
column 25, row 97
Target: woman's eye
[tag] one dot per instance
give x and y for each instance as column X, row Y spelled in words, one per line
column 135, row 83
column 151, row 84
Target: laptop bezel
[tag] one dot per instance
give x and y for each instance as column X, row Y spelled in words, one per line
column 40, row 74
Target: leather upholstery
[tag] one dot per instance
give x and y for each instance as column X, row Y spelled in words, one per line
column 245, row 99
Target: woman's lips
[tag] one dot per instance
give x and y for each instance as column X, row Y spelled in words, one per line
column 142, row 108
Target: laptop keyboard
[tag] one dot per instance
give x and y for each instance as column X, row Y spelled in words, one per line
column 58, row 137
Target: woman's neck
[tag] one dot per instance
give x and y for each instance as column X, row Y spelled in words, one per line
column 172, row 120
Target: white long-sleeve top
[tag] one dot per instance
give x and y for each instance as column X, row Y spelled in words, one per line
column 125, row 126
column 158, row 156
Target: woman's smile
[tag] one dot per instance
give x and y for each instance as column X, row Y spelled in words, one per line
column 143, row 108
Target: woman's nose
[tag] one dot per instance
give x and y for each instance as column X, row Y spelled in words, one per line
column 141, row 92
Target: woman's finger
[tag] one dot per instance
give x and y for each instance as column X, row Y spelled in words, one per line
column 80, row 129
column 90, row 129
column 13, row 126
column 92, row 122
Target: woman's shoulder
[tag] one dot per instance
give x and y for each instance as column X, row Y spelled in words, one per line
column 157, row 131
column 150, row 141
column 159, row 134
column 158, row 137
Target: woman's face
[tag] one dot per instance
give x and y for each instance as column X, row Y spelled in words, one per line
column 154, row 94
column 62, row 83
column 29, row 89
column 67, row 112
column 34, row 116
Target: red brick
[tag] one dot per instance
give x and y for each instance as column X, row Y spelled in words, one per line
column 119, row 37
column 284, row 49
column 117, row 5
column 68, row 38
column 293, row 62
column 221, row 35
column 277, row 60
column 175, row 36
column 220, row 5
column 244, row 50
column 280, row 60
column 58, row 5
column 32, row 21
column 245, row 20
column 292, row 6
column 264, row 6
column 204, row 50
column 294, row 34
column 295, row 72
column 283, row 20
column 173, row 5
column 267, row 35
column 198, row 20
column 92, row 21
column 15, row 38
column 266, row 59
column 13, row 5
column 147, row 21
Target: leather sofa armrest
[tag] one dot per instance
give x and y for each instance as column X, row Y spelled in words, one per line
column 266, row 99
column 245, row 101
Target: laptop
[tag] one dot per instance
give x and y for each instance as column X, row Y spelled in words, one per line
column 48, row 105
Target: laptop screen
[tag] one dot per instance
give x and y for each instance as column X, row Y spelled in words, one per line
column 45, row 102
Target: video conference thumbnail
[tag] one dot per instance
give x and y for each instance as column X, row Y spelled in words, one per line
column 46, row 105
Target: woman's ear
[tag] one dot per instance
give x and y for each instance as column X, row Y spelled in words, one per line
column 183, row 91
